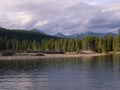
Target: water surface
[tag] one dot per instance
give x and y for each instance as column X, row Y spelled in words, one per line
column 88, row 73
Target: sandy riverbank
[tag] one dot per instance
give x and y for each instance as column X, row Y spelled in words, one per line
column 49, row 56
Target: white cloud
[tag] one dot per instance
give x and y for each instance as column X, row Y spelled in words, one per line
column 101, row 2
column 112, row 8
column 25, row 18
column 41, row 23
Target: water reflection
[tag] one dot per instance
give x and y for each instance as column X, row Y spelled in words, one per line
column 88, row 73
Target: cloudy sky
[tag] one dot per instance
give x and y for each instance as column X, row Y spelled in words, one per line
column 65, row 16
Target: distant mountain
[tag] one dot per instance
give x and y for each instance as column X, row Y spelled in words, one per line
column 39, row 31
column 74, row 35
column 98, row 34
column 83, row 35
column 60, row 35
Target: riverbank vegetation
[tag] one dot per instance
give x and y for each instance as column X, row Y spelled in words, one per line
column 26, row 41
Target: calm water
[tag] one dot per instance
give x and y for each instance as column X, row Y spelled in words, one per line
column 95, row 73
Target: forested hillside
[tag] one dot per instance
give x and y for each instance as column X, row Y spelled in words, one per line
column 22, row 40
column 22, row 34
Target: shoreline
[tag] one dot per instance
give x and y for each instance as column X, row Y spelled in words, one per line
column 47, row 56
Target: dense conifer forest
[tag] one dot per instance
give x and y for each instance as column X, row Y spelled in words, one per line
column 23, row 40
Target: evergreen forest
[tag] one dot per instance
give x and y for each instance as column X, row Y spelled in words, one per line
column 25, row 40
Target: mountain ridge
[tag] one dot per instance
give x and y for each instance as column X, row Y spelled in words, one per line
column 81, row 35
column 61, row 35
column 39, row 31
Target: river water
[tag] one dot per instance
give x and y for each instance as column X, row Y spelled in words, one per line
column 85, row 73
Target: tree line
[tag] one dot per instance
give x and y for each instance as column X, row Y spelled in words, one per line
column 22, row 41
